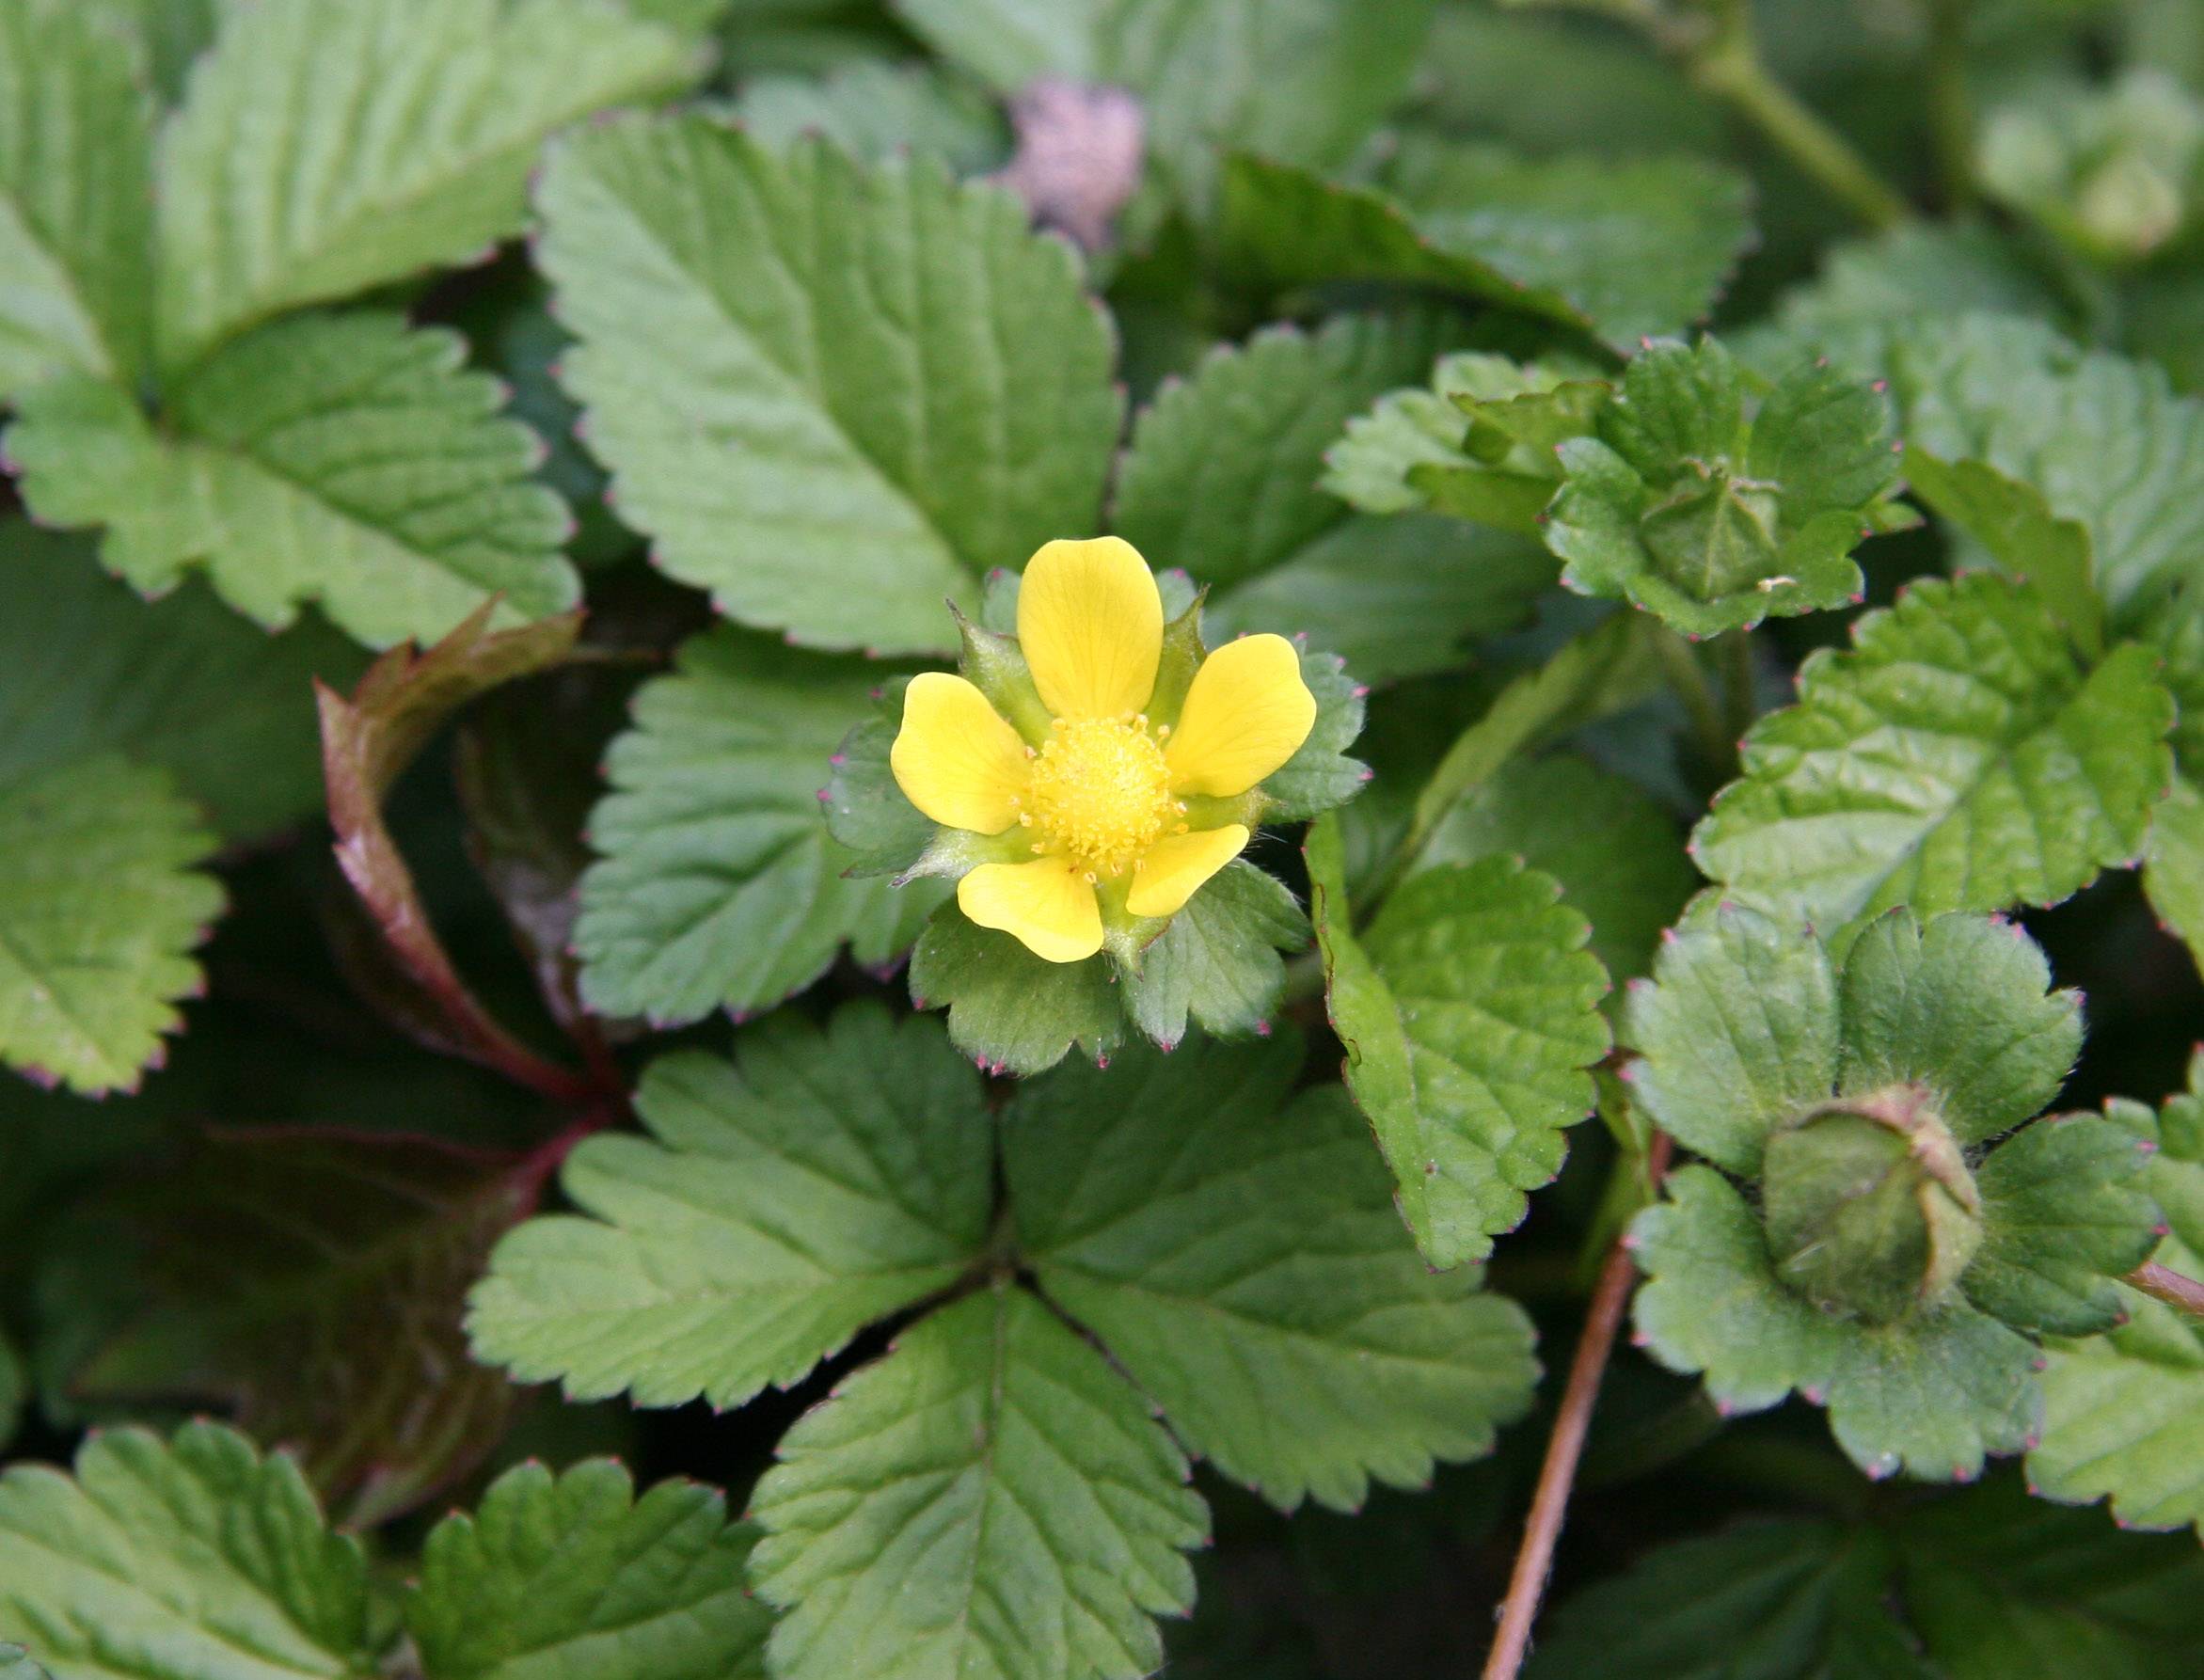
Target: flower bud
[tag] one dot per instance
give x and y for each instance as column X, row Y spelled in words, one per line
column 1869, row 1208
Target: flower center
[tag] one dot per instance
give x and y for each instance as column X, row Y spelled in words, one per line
column 1100, row 793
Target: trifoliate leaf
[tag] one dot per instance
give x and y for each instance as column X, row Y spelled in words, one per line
column 76, row 198
column 176, row 1561
column 1238, row 1253
column 719, row 886
column 1775, row 1600
column 573, row 1572
column 183, row 683
column 1930, row 1394
column 1618, row 854
column 991, row 1501
column 311, row 1280
column 1956, row 757
column 874, row 110
column 1684, row 507
column 327, row 147
column 1394, row 597
column 1220, row 479
column 2064, row 1213
column 827, row 456
column 343, row 459
column 2125, row 1412
column 99, row 908
column 2106, row 441
column 1011, row 1011
column 784, row 1201
column 1616, row 250
column 1477, row 444
column 1305, row 80
column 1218, row 962
column 1470, row 1011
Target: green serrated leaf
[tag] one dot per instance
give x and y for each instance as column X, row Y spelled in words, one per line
column 2105, row 440
column 313, row 1280
column 1918, row 269
column 99, row 911
column 874, row 110
column 1469, row 1012
column 76, row 198
column 1239, row 1256
column 1218, row 962
column 2125, row 1411
column 327, row 147
column 2064, row 1215
column 1961, row 1006
column 1684, row 507
column 719, row 886
column 345, row 459
column 1958, row 756
column 784, row 1201
column 1931, row 1394
column 1011, row 1011
column 1320, row 776
column 1615, row 250
column 551, row 1572
column 741, row 371
column 991, row 1501
column 87, row 667
column 179, row 1560
column 2173, row 860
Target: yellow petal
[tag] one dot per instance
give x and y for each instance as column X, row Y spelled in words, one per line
column 1048, row 904
column 1176, row 866
column 954, row 759
column 1247, row 712
column 1092, row 626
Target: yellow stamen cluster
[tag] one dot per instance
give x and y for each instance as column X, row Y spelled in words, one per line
column 1100, row 793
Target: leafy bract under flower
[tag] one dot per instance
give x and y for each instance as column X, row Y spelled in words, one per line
column 1111, row 765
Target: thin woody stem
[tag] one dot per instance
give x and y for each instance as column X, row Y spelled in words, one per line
column 2162, row 1284
column 1550, row 1504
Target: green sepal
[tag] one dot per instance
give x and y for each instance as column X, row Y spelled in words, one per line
column 1217, row 963
column 994, row 663
column 1181, row 658
column 1009, row 1010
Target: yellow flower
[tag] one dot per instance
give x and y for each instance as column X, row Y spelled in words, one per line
column 1121, row 797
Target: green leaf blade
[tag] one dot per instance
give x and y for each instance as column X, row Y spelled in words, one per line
column 1240, row 1258
column 719, row 886
column 347, row 459
column 555, row 1572
column 991, row 1501
column 786, row 1201
column 827, row 460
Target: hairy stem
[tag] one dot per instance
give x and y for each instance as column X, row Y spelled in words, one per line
column 1726, row 62
column 1550, row 1504
column 2162, row 1284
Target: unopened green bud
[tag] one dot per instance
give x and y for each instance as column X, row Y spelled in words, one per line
column 2128, row 206
column 1869, row 1207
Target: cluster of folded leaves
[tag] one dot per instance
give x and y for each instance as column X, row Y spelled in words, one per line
column 541, row 435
